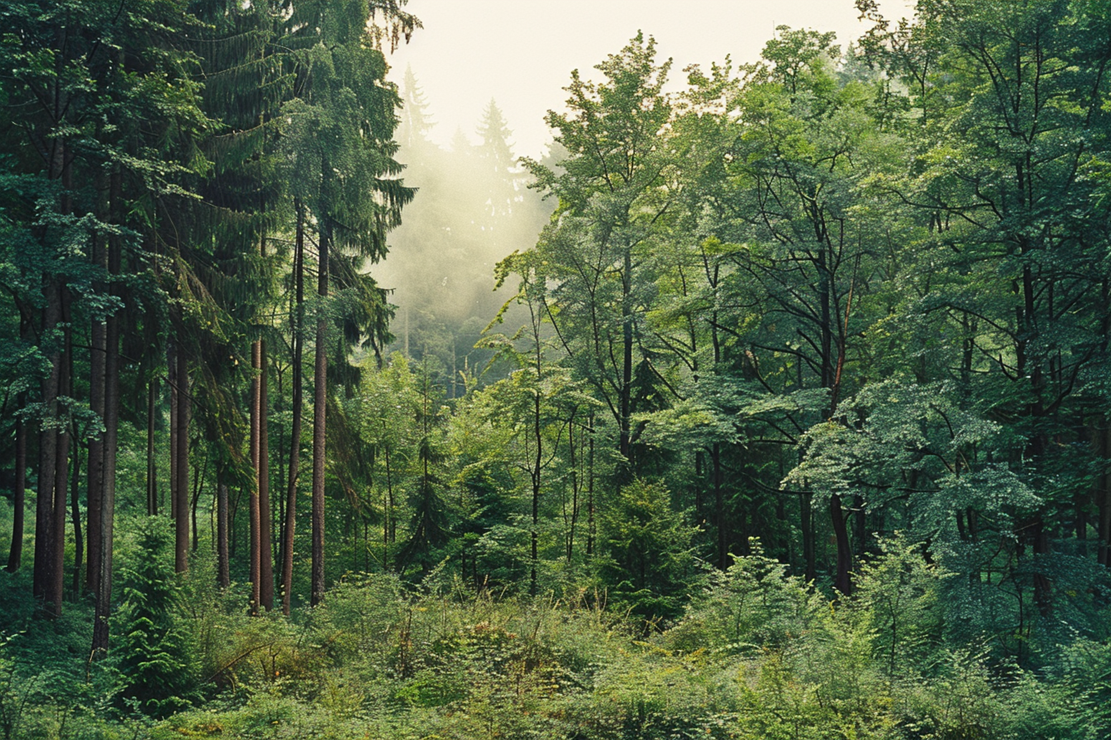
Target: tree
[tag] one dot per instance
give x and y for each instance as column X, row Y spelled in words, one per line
column 797, row 229
column 644, row 552
column 344, row 174
column 154, row 650
column 613, row 189
column 1006, row 98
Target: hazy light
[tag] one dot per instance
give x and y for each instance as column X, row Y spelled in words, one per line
column 521, row 52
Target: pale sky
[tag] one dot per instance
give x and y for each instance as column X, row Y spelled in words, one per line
column 521, row 52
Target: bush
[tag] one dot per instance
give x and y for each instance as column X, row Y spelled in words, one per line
column 646, row 561
column 153, row 652
column 750, row 606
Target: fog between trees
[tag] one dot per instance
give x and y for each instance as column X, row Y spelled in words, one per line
column 472, row 208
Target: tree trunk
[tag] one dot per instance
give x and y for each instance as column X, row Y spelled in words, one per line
column 590, row 492
column 181, row 466
column 223, row 572
column 75, row 511
column 198, row 484
column 538, row 461
column 56, row 594
column 266, row 548
column 719, row 507
column 111, row 437
column 95, row 496
column 15, row 552
column 574, row 489
column 48, row 450
column 1102, row 443
column 298, row 314
column 625, row 396
column 175, row 407
column 320, row 396
column 255, row 551
column 152, row 470
column 809, row 554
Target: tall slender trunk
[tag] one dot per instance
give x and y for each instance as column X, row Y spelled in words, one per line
column 262, row 555
column 288, row 530
column 98, row 337
column 626, row 391
column 75, row 517
column 198, row 484
column 98, row 359
column 574, row 488
column 253, row 519
column 152, row 470
column 175, row 407
column 1102, row 443
column 831, row 380
column 843, row 580
column 57, row 584
column 48, row 445
column 1031, row 368
column 181, row 468
column 49, row 537
column 223, row 570
column 390, row 532
column 538, row 441
column 590, row 492
column 265, row 546
column 19, row 501
column 809, row 554
column 320, row 397
column 111, row 437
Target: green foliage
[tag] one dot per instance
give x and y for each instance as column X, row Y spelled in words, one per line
column 830, row 317
column 899, row 594
column 645, row 552
column 752, row 605
column 154, row 655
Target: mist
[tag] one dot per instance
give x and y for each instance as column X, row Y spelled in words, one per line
column 473, row 208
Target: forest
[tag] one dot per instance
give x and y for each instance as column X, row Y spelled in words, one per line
column 773, row 405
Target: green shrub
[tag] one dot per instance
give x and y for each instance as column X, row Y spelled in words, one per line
column 646, row 561
column 750, row 606
column 153, row 647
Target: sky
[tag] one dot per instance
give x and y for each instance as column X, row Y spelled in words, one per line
column 521, row 52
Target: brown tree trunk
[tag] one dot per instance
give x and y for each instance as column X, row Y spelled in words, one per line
column 625, row 470
column 95, row 496
column 48, row 444
column 181, row 466
column 57, row 583
column 298, row 314
column 107, row 513
column 75, row 517
column 255, row 552
column 198, row 484
column 809, row 554
column 266, row 549
column 172, row 384
column 223, row 571
column 843, row 581
column 574, row 488
column 590, row 492
column 320, row 396
column 722, row 549
column 152, row 469
column 19, row 502
column 1103, row 494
